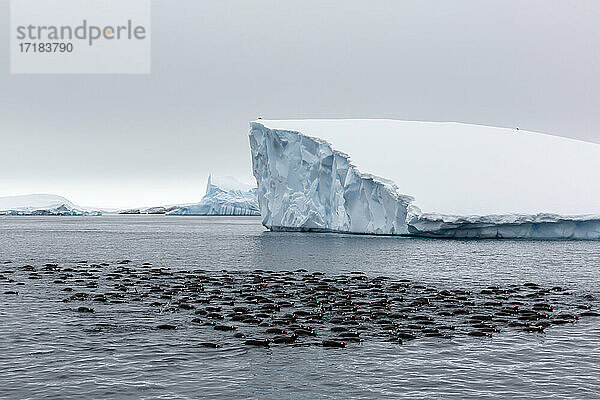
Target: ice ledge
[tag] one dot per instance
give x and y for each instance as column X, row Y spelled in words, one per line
column 540, row 226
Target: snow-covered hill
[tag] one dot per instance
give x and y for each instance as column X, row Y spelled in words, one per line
column 41, row 204
column 29, row 201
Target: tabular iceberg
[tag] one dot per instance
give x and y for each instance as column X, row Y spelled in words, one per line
column 470, row 181
column 224, row 196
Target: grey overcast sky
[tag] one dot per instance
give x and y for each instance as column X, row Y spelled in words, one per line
column 133, row 140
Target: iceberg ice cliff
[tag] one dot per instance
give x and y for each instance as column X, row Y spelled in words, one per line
column 305, row 185
column 224, row 196
column 470, row 181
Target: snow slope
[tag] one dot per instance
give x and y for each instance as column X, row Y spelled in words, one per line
column 469, row 180
column 224, row 196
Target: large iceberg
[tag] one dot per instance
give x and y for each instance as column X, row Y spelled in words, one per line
column 224, row 196
column 469, row 181
column 42, row 204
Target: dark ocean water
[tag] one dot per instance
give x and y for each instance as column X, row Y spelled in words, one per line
column 49, row 351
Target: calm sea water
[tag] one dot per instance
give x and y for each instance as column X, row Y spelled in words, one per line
column 46, row 351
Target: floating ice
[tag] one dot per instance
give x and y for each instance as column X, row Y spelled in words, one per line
column 150, row 210
column 470, row 181
column 540, row 226
column 224, row 196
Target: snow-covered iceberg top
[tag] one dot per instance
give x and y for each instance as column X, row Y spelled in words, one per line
column 224, row 196
column 42, row 204
column 470, row 180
